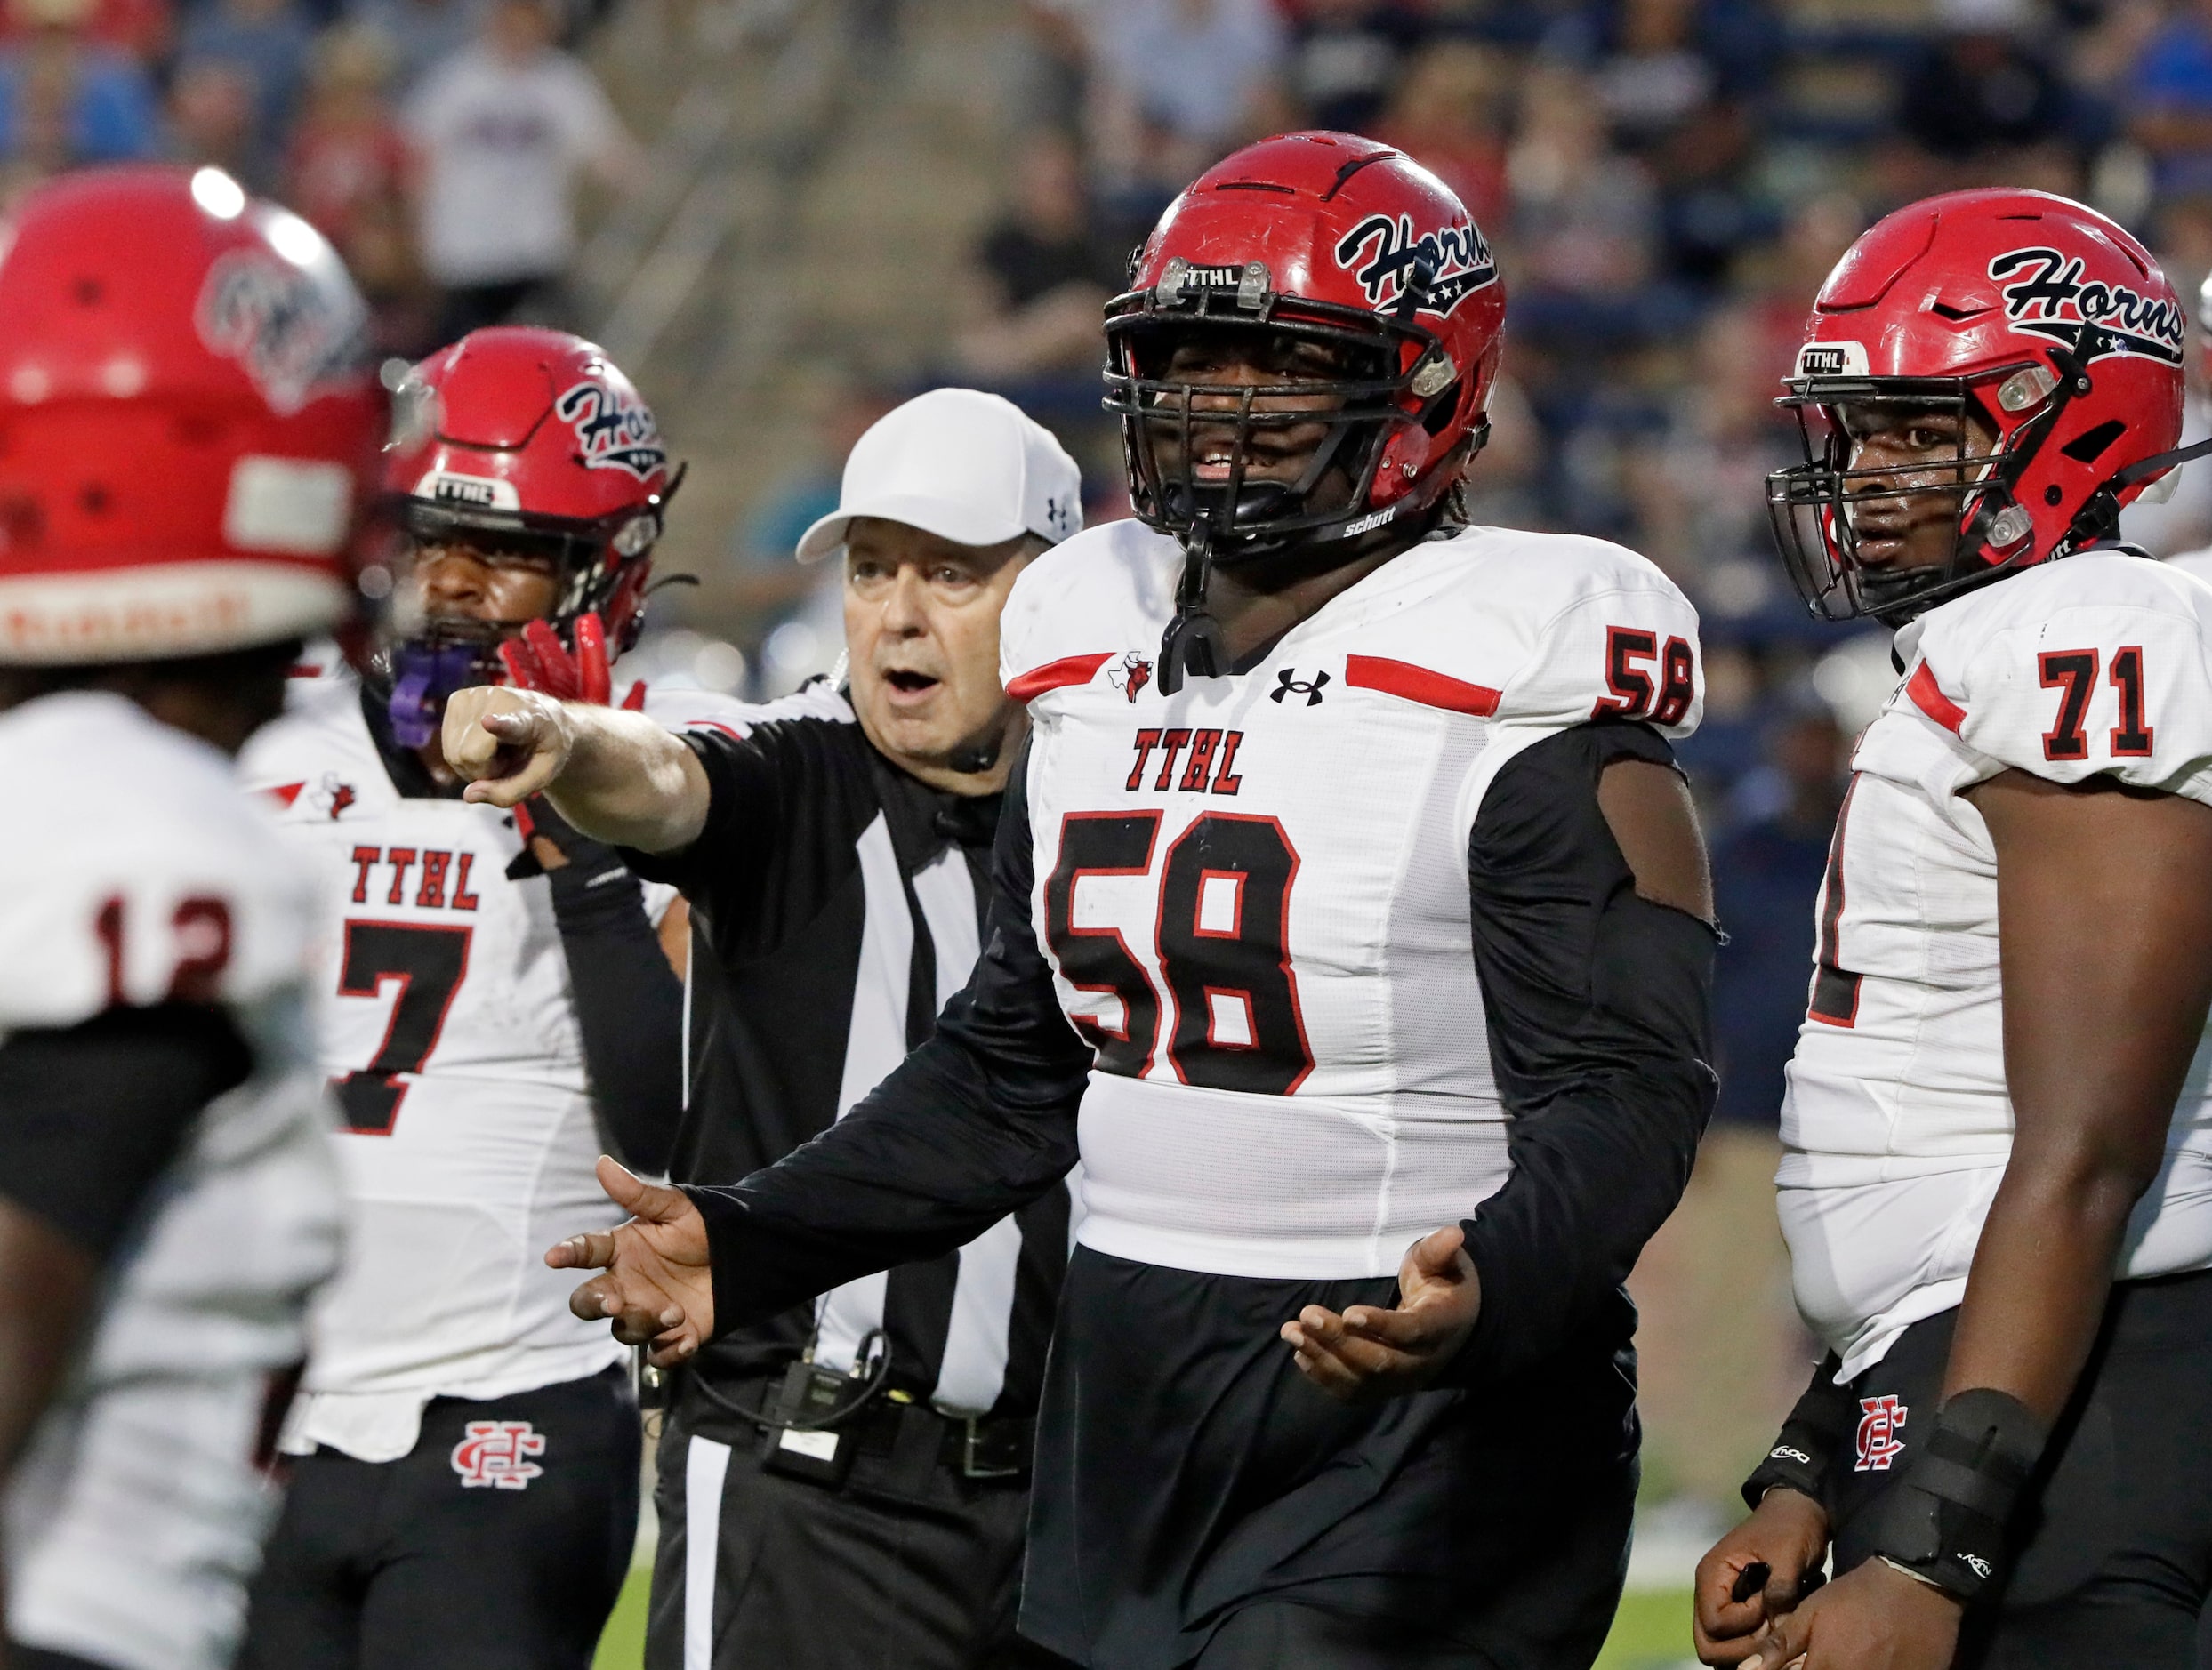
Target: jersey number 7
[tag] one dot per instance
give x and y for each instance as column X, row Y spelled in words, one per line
column 428, row 963
column 1222, row 915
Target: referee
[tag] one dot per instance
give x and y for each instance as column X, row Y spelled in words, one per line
column 850, row 1479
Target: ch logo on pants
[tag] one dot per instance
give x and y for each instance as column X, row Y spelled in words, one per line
column 1878, row 1421
column 498, row 1453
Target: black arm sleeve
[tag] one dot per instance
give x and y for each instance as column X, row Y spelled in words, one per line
column 977, row 1122
column 1598, row 1005
column 1805, row 1451
column 629, row 1005
column 90, row 1114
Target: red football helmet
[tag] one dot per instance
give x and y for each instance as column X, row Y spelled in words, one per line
column 2042, row 318
column 187, row 422
column 1335, row 239
column 530, row 441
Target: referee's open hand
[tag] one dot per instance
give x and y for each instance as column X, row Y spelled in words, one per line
column 659, row 1286
column 1368, row 1353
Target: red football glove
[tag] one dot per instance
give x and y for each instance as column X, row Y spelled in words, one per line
column 537, row 662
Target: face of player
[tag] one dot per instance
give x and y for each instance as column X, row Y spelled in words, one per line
column 466, row 580
column 922, row 628
column 1916, row 525
column 1228, row 360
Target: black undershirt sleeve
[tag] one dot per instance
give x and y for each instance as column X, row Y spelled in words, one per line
column 979, row 1122
column 629, row 1005
column 1598, row 1003
column 90, row 1114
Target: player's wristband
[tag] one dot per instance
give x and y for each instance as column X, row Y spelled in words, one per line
column 1805, row 1450
column 1945, row 1518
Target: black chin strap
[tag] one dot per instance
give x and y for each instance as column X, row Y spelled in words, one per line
column 2099, row 518
column 1192, row 641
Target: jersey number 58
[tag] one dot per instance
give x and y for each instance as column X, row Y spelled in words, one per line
column 1222, row 912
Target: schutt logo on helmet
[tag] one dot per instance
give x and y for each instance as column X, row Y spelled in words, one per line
column 291, row 332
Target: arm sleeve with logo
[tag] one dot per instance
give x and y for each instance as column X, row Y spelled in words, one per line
column 977, row 1122
column 1596, row 1001
column 89, row 1114
column 2118, row 689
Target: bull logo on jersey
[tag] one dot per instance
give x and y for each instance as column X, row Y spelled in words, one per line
column 2048, row 296
column 336, row 797
column 290, row 330
column 498, row 1454
column 614, row 430
column 1131, row 676
column 1878, row 1443
column 1381, row 252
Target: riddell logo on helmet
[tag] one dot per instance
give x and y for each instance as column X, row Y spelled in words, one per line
column 288, row 331
column 2049, row 297
column 614, row 430
column 1381, row 252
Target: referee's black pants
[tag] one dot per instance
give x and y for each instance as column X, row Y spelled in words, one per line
column 429, row 1562
column 2116, row 1562
column 904, row 1567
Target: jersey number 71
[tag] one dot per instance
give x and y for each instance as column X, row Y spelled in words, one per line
column 1222, row 917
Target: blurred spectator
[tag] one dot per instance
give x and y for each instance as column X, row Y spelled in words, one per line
column 266, row 43
column 1450, row 114
column 2168, row 97
column 1583, row 215
column 1655, row 76
column 1041, row 274
column 1767, row 878
column 420, row 33
column 66, row 100
column 504, row 128
column 1346, row 56
column 211, row 118
column 1176, row 84
column 1980, row 90
column 138, row 28
column 352, row 173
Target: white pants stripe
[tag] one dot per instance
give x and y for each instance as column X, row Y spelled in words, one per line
column 706, row 1465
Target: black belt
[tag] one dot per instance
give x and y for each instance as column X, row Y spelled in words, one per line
column 893, row 1427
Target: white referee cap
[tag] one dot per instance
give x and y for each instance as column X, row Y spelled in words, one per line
column 966, row 466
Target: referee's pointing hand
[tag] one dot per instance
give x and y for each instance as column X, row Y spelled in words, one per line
column 1370, row 1352
column 659, row 1286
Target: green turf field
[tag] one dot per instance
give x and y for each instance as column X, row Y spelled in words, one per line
column 1652, row 1632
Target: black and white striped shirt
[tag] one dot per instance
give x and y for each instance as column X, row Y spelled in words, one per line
column 838, row 903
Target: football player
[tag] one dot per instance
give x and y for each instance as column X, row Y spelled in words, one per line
column 1997, row 1179
column 1352, row 924
column 495, row 1011
column 189, row 432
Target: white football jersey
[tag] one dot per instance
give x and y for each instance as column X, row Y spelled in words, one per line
column 1254, row 893
column 1897, row 1125
column 467, row 1133
column 135, row 1517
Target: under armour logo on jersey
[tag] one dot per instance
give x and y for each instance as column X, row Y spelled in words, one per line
column 1878, row 1445
column 1290, row 683
column 497, row 1453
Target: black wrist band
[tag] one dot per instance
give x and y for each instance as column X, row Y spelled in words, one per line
column 1805, row 1450
column 1945, row 1516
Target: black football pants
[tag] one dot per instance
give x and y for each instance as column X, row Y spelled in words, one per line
column 408, row 1565
column 2117, row 1560
column 757, row 1570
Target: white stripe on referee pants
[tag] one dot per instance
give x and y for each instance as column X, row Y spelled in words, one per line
column 976, row 1341
column 875, row 1042
column 706, row 1465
